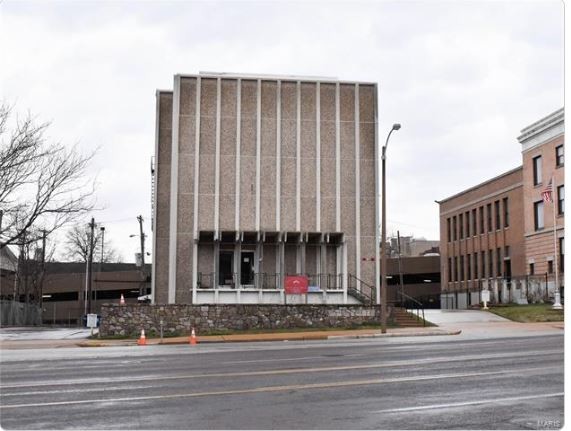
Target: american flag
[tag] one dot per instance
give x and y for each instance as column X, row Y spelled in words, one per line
column 546, row 193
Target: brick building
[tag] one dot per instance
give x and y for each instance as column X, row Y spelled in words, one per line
column 543, row 160
column 260, row 177
column 500, row 232
column 481, row 235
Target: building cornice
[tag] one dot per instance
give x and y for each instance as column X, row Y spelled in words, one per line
column 543, row 130
column 482, row 199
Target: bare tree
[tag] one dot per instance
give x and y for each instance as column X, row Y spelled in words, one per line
column 42, row 184
column 77, row 246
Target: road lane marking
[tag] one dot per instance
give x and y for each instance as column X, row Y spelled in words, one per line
column 470, row 403
column 443, row 359
column 282, row 388
column 301, row 358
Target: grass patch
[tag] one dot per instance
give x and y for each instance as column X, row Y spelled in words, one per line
column 529, row 313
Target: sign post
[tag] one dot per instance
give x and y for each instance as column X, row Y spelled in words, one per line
column 92, row 321
column 485, row 298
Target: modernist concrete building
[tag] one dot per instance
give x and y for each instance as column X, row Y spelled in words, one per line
column 500, row 232
column 261, row 177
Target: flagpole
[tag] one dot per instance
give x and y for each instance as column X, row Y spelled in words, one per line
column 557, row 304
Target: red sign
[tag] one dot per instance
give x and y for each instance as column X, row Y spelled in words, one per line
column 295, row 285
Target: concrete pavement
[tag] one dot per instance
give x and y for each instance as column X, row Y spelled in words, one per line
column 28, row 343
column 430, row 382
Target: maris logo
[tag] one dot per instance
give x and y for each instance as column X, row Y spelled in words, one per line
column 548, row 424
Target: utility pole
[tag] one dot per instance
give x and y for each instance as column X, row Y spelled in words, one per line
column 142, row 238
column 43, row 270
column 102, row 229
column 90, row 264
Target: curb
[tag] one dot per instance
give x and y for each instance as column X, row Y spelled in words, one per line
column 414, row 334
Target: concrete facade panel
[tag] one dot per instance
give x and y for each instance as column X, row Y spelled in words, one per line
column 228, row 118
column 367, row 178
column 208, row 98
column 248, row 137
column 227, row 215
column 327, row 178
column 184, row 272
column 206, row 178
column 288, row 214
column 328, row 214
column 348, row 215
column 227, row 175
column 367, row 135
column 187, row 96
column 289, row 138
column 328, row 139
column 367, row 103
column 249, row 99
column 308, row 222
column 347, row 103
column 327, row 99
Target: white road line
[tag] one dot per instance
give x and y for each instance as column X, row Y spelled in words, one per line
column 443, row 359
column 291, row 359
column 282, row 388
column 470, row 403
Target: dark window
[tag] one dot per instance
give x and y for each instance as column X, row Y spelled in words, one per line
column 449, row 269
column 538, row 215
column 507, row 251
column 561, row 200
column 490, row 263
column 455, row 268
column 483, row 262
column 474, row 223
column 454, row 228
column 461, row 223
column 497, row 211
column 532, row 269
column 550, row 266
column 467, row 216
column 481, row 219
column 506, row 212
column 561, row 254
column 536, row 170
column 462, row 268
column 60, row 296
column 448, row 228
column 489, row 216
column 559, row 156
column 476, row 266
column 499, row 262
column 469, row 266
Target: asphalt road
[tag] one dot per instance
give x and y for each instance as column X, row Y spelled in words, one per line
column 423, row 383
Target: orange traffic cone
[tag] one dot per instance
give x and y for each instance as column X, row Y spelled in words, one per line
column 122, row 300
column 192, row 338
column 142, row 341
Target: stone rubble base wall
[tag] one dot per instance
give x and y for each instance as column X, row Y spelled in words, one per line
column 180, row 319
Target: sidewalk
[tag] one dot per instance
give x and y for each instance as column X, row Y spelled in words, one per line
column 236, row 338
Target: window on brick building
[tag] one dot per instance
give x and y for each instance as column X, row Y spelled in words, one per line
column 462, row 268
column 450, row 269
column 506, row 212
column 454, row 230
column 532, row 269
column 461, row 223
column 561, row 200
column 538, row 215
column 467, row 220
column 476, row 276
column 455, row 268
column 559, row 156
column 483, row 262
column 489, row 216
column 550, row 266
column 490, row 263
column 536, row 170
column 474, row 223
column 469, row 267
column 499, row 262
column 481, row 220
column 561, row 254
column 498, row 217
column 448, row 229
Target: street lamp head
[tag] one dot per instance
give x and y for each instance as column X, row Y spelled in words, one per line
column 133, row 235
column 396, row 126
column 102, row 228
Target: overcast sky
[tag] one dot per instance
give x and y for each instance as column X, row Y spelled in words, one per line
column 463, row 78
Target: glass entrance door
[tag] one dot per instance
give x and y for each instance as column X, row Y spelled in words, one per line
column 226, row 264
column 247, row 268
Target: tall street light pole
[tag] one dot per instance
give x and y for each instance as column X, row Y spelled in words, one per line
column 384, row 235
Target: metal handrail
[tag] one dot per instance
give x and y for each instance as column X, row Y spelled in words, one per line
column 367, row 298
column 418, row 308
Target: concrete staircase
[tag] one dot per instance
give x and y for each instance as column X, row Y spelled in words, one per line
column 403, row 318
